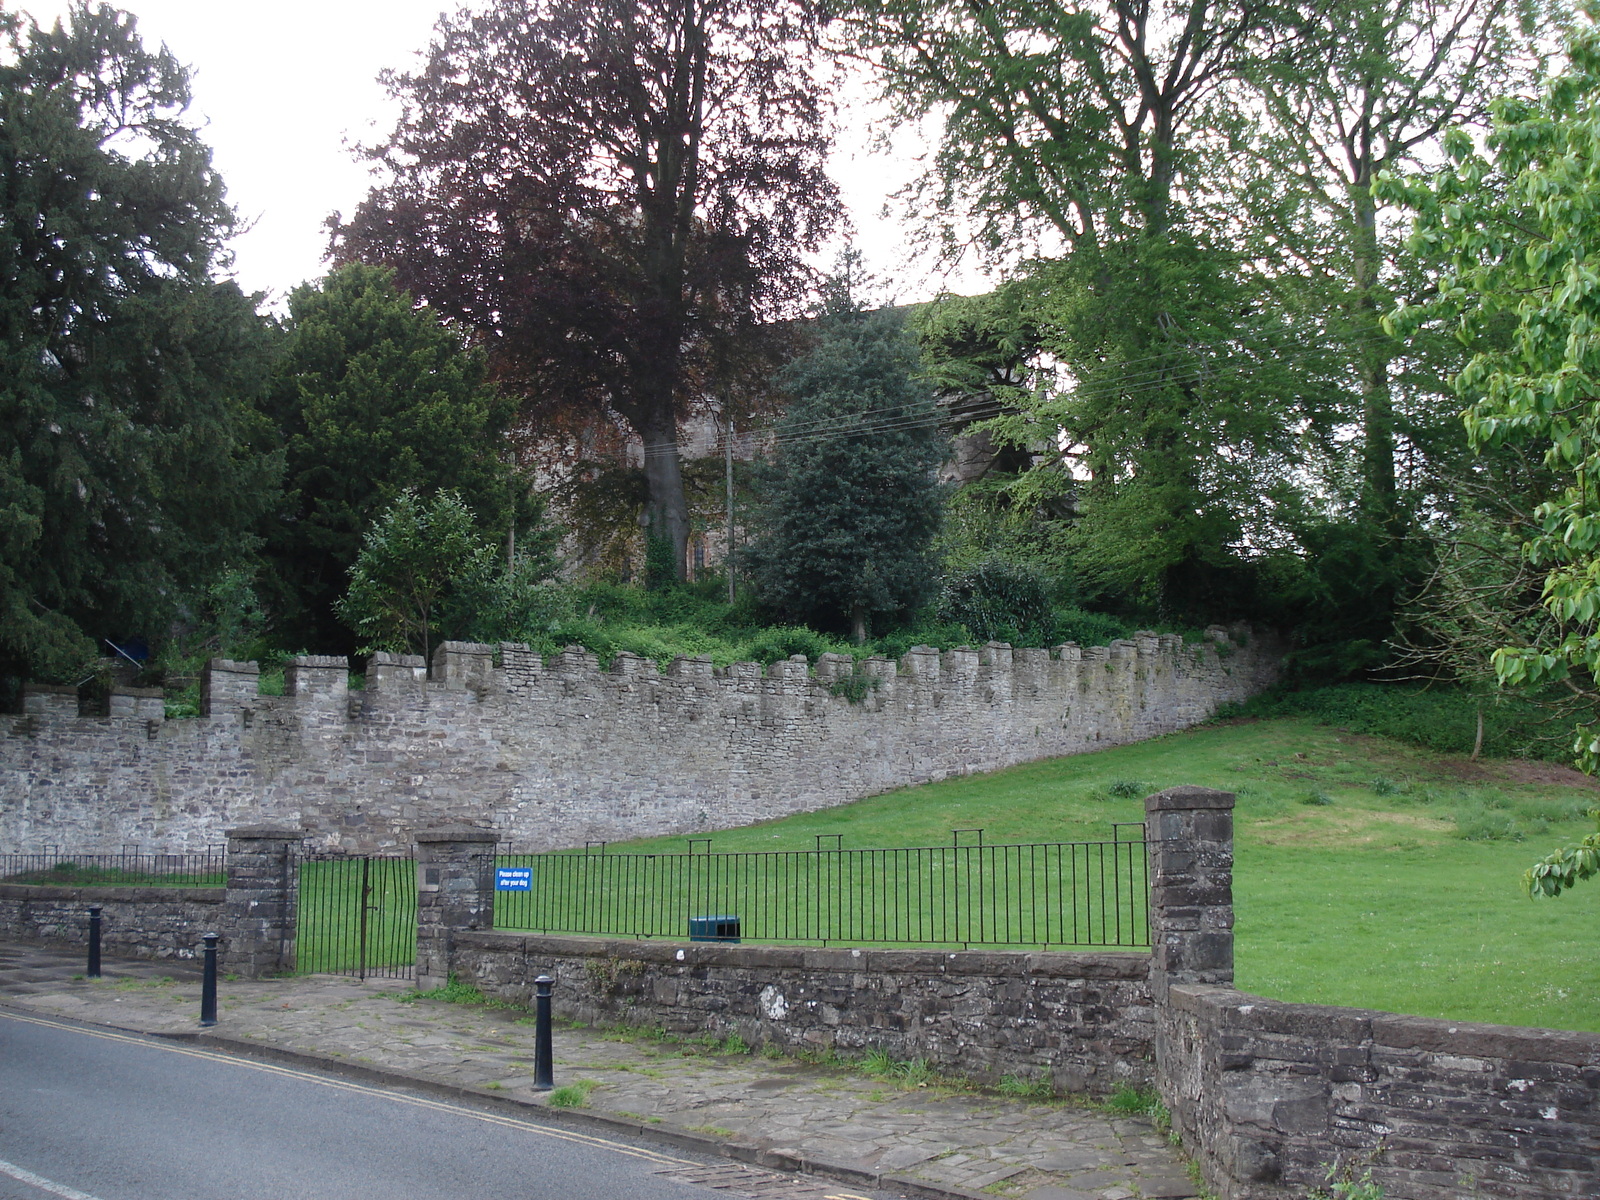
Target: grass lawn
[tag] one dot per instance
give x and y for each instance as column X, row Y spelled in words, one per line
column 1368, row 873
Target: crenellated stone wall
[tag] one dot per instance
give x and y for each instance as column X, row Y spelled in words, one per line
column 551, row 754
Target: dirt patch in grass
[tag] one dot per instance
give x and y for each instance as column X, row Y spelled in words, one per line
column 1520, row 770
column 1342, row 829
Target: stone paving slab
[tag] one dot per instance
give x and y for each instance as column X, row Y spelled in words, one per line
column 779, row 1111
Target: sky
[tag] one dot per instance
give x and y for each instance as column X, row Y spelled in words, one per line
column 283, row 88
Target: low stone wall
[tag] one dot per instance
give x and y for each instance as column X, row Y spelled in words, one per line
column 136, row 921
column 1080, row 1021
column 1267, row 1094
column 255, row 914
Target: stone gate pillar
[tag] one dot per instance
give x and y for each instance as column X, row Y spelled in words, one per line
column 260, row 910
column 455, row 890
column 1190, row 835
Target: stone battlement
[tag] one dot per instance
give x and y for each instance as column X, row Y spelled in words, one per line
column 555, row 752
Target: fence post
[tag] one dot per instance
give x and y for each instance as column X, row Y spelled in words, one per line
column 455, row 890
column 261, row 907
column 1190, row 836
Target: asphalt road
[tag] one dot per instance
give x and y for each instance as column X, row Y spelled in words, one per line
column 88, row 1114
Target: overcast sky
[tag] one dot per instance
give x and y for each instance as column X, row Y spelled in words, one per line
column 282, row 87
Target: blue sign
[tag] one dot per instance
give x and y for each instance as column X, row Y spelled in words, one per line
column 513, row 879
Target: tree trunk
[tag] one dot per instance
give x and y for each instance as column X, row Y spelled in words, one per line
column 858, row 623
column 1379, row 492
column 666, row 509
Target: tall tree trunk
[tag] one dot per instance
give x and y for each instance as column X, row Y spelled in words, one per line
column 858, row 623
column 1374, row 353
column 666, row 509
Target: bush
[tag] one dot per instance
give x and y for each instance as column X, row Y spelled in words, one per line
column 1439, row 719
column 1000, row 601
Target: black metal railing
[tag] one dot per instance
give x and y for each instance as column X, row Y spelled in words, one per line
column 964, row 894
column 129, row 868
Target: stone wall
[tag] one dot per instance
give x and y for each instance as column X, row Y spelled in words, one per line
column 552, row 754
column 254, row 913
column 137, row 922
column 1080, row 1021
column 1268, row 1094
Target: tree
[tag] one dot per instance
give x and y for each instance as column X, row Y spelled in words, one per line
column 614, row 195
column 419, row 559
column 850, row 505
column 131, row 468
column 374, row 395
column 1352, row 89
column 1515, row 226
column 1071, row 128
column 1514, row 231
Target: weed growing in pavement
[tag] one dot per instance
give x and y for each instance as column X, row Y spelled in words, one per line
column 573, row 1095
column 1022, row 1088
column 456, row 992
column 1129, row 1101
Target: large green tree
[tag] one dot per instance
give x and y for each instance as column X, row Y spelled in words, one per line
column 1515, row 224
column 374, row 395
column 850, row 504
column 1072, row 128
column 617, row 195
column 128, row 473
column 1514, row 227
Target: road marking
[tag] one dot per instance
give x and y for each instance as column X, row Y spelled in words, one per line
column 43, row 1184
column 345, row 1085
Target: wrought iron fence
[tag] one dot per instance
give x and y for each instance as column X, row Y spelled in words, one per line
column 357, row 916
column 131, row 867
column 1037, row 894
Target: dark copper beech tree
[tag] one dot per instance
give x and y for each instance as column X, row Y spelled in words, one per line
column 614, row 194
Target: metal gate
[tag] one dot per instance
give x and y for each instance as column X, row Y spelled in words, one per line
column 358, row 916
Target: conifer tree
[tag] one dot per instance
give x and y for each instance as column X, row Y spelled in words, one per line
column 850, row 502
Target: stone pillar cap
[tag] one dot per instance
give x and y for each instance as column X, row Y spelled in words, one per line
column 1187, row 796
column 263, row 832
column 456, row 833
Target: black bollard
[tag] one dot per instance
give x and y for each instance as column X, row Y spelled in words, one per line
column 544, row 1075
column 94, row 942
column 208, row 984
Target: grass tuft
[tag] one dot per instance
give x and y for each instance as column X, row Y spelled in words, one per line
column 572, row 1095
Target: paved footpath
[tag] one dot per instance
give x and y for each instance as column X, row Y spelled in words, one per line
column 775, row 1112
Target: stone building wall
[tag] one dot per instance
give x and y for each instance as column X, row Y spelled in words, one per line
column 554, row 754
column 1082, row 1022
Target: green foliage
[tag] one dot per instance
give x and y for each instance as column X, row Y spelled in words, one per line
column 374, row 396
column 1020, row 1087
column 855, row 688
column 1128, row 1100
column 572, row 1095
column 1317, row 799
column 660, row 563
column 1442, row 719
column 1514, row 228
column 1560, row 870
column 1345, row 1184
column 420, row 560
column 131, row 461
column 908, row 1073
column 850, row 504
column 1000, row 601
column 454, row 991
